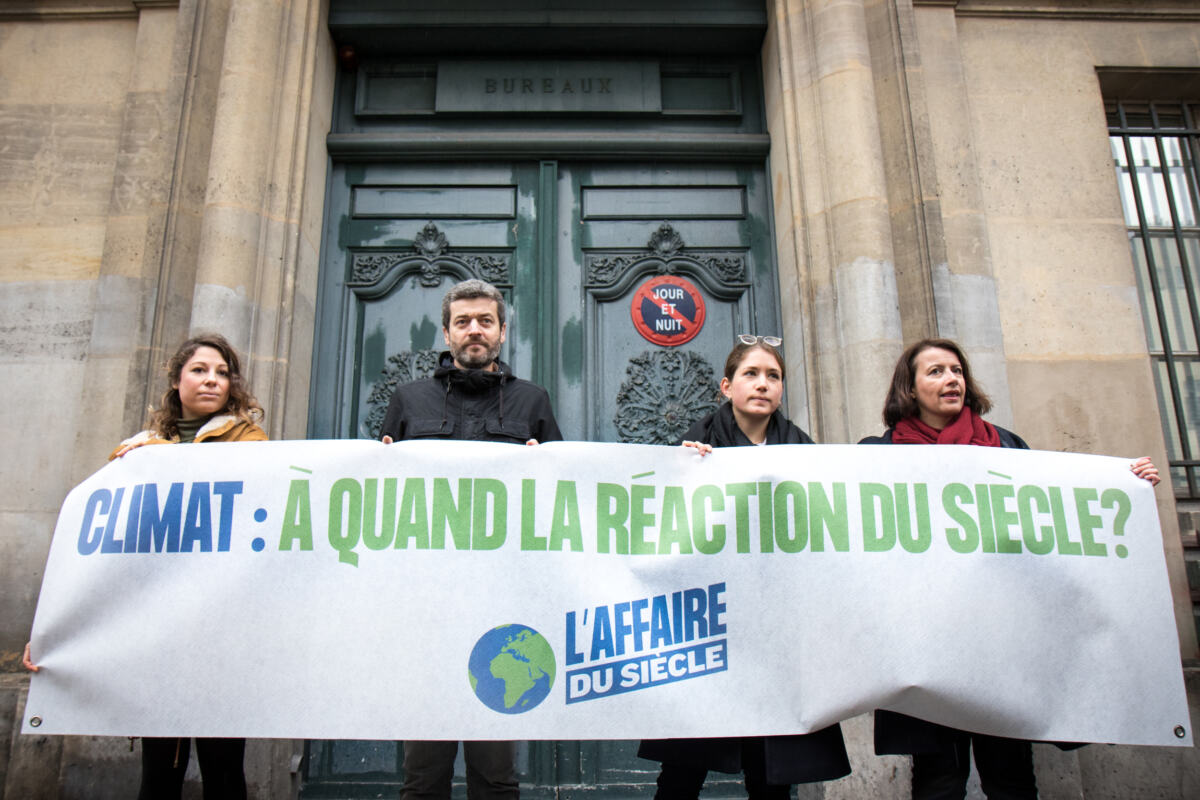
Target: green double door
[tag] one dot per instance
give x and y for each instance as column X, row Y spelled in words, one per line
column 578, row 249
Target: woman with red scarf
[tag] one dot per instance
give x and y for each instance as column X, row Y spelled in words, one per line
column 934, row 400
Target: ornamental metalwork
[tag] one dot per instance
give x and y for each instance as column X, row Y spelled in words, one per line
column 493, row 269
column 603, row 270
column 665, row 252
column 431, row 259
column 664, row 392
column 731, row 269
column 369, row 269
column 665, row 241
column 403, row 367
column 430, row 242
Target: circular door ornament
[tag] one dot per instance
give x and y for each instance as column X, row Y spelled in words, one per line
column 668, row 310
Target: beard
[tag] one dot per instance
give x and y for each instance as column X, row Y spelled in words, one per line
column 468, row 358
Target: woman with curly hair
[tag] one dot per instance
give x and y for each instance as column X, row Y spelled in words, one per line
column 206, row 401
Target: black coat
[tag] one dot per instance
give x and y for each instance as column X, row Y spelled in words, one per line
column 900, row 734
column 817, row 756
column 720, row 429
column 471, row 404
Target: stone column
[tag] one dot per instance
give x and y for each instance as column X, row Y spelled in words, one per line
column 829, row 171
column 260, row 229
column 917, row 240
column 148, row 244
column 967, row 309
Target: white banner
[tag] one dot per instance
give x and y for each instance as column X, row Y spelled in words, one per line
column 449, row 590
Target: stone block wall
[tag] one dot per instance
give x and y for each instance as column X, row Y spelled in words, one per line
column 157, row 158
column 937, row 168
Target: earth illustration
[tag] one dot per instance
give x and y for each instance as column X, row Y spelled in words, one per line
column 511, row 669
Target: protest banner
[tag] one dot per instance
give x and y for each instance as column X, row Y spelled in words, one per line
column 449, row 590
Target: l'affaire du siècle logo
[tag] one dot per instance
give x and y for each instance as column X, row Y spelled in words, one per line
column 646, row 642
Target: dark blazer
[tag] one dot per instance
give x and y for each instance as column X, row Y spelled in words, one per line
column 817, row 756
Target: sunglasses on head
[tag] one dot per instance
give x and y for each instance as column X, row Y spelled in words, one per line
column 751, row 339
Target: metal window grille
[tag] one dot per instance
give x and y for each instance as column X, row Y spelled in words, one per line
column 1156, row 149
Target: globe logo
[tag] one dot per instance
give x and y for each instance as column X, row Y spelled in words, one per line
column 511, row 669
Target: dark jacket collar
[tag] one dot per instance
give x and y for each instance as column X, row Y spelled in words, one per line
column 471, row 380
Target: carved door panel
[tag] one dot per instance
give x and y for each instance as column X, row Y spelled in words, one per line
column 397, row 237
column 570, row 245
column 619, row 226
column 622, row 226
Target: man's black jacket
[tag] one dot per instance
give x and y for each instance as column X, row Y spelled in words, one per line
column 471, row 404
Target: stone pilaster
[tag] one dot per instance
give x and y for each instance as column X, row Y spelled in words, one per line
column 263, row 198
column 121, row 360
column 828, row 168
column 964, row 286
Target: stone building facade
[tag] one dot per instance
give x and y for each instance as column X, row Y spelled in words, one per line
column 930, row 167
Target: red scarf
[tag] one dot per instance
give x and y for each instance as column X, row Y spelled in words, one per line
column 967, row 428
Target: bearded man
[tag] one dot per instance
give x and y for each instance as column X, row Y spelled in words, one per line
column 472, row 395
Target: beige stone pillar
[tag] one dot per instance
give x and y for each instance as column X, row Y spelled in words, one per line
column 259, row 236
column 964, row 286
column 828, row 169
column 120, row 363
column 917, row 240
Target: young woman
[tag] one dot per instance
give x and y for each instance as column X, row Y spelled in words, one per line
column 207, row 401
column 934, row 400
column 753, row 388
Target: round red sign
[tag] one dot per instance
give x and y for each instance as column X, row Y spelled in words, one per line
column 668, row 310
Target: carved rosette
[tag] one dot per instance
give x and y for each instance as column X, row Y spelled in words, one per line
column 665, row 391
column 403, row 367
column 666, row 248
column 429, row 258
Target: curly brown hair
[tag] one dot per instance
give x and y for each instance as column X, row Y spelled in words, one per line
column 901, row 401
column 165, row 419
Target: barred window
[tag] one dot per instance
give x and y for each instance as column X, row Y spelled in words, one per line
column 1155, row 149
